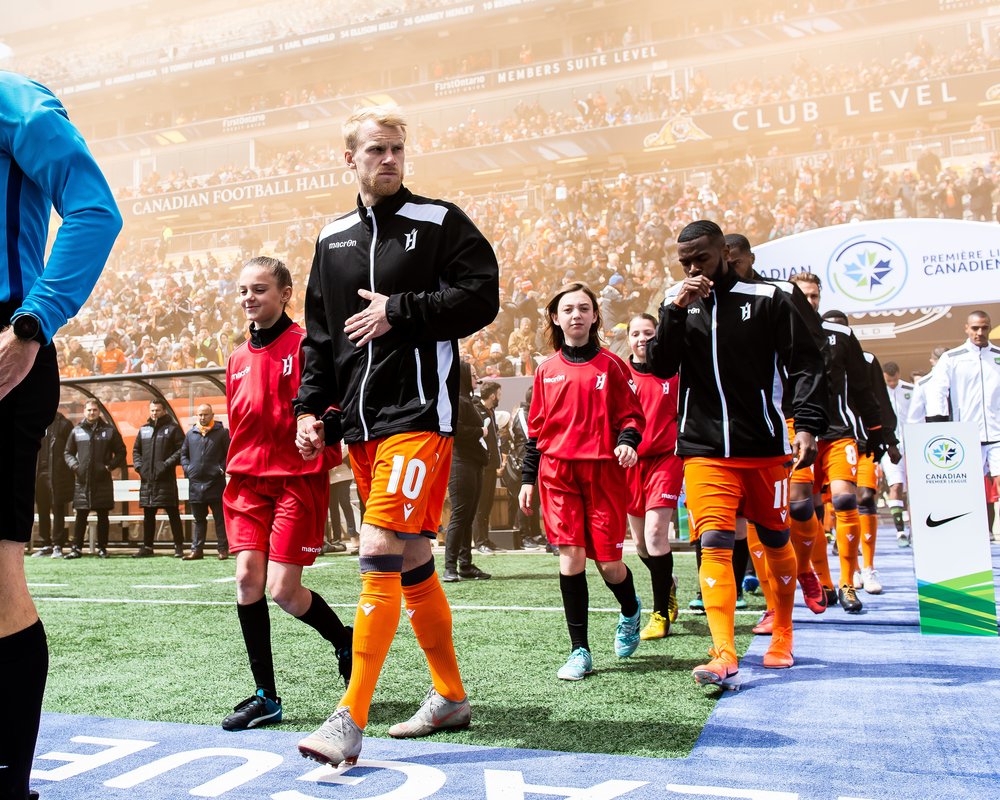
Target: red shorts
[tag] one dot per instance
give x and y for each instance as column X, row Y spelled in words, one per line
column 867, row 473
column 283, row 516
column 716, row 488
column 402, row 481
column 654, row 482
column 992, row 495
column 583, row 505
column 837, row 461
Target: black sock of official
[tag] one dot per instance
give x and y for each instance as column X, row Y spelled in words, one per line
column 741, row 555
column 576, row 599
column 661, row 574
column 697, row 554
column 24, row 663
column 255, row 621
column 324, row 619
column 624, row 593
column 897, row 518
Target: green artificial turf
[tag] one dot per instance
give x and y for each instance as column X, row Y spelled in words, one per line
column 187, row 663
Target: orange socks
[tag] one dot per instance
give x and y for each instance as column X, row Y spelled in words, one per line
column 718, row 591
column 820, row 560
column 848, row 537
column 430, row 615
column 783, row 566
column 375, row 624
column 759, row 555
column 869, row 529
column 802, row 543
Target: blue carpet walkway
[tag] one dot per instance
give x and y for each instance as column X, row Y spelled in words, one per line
column 872, row 710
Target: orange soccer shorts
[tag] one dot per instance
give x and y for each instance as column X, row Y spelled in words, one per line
column 805, row 474
column 837, row 461
column 717, row 487
column 867, row 472
column 402, row 481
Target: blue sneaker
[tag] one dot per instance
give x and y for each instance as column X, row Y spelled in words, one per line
column 697, row 605
column 740, row 602
column 578, row 666
column 751, row 584
column 627, row 633
column 254, row 712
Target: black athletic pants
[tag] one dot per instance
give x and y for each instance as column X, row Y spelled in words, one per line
column 464, row 485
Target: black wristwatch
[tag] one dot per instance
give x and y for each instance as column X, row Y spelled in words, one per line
column 28, row 328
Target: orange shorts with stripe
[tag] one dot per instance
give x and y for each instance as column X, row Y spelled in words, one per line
column 837, row 461
column 805, row 474
column 868, row 472
column 717, row 488
column 402, row 481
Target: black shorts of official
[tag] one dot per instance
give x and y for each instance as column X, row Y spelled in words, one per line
column 25, row 413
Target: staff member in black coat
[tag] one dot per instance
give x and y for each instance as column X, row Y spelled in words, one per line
column 203, row 458
column 469, row 457
column 94, row 450
column 155, row 456
column 489, row 399
column 53, row 488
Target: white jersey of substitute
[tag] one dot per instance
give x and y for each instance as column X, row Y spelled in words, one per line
column 969, row 377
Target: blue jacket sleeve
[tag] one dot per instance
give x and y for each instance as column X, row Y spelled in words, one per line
column 52, row 155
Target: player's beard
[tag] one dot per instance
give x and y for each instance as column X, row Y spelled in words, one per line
column 377, row 188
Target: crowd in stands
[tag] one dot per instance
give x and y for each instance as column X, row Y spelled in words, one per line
column 261, row 23
column 152, row 311
column 594, row 110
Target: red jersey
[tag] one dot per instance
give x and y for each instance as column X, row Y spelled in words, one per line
column 658, row 398
column 578, row 409
column 260, row 386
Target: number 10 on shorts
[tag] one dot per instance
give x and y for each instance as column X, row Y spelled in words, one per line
column 412, row 477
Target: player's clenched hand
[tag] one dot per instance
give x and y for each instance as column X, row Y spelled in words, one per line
column 524, row 498
column 626, row 456
column 803, row 450
column 310, row 437
column 894, row 455
column 370, row 323
column 16, row 359
column 693, row 288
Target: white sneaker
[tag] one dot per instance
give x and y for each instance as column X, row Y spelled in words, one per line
column 336, row 742
column 859, row 582
column 870, row 581
column 56, row 552
column 902, row 539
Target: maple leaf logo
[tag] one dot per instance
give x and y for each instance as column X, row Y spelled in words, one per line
column 867, row 271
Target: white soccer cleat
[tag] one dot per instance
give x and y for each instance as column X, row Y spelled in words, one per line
column 870, row 581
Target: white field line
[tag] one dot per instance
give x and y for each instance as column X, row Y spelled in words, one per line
column 48, row 585
column 166, row 602
column 167, row 586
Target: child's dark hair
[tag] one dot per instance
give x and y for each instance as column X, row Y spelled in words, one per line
column 556, row 336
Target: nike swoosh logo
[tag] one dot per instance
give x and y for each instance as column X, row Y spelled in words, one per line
column 933, row 523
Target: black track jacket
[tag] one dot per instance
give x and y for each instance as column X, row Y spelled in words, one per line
column 731, row 350
column 442, row 280
column 851, row 394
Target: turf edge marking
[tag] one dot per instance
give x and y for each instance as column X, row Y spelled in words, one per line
column 163, row 602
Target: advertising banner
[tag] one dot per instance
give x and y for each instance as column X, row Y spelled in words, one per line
column 951, row 549
column 893, row 263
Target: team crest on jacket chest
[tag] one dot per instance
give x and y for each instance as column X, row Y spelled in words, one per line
column 286, row 365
